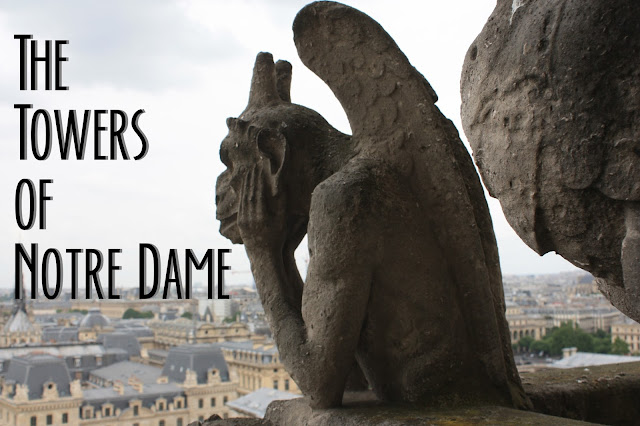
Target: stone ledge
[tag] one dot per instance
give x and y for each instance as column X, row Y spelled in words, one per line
column 297, row 412
column 607, row 394
column 362, row 409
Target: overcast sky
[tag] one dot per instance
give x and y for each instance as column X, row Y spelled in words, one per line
column 188, row 65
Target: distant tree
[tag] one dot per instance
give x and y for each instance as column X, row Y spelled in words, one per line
column 540, row 346
column 601, row 342
column 602, row 346
column 187, row 315
column 601, row 333
column 619, row 347
column 584, row 341
column 133, row 314
column 130, row 313
column 524, row 344
column 232, row 318
column 567, row 336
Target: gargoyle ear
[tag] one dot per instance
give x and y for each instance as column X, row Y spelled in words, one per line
column 273, row 147
column 236, row 124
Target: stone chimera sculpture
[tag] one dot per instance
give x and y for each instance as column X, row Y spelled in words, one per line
column 404, row 278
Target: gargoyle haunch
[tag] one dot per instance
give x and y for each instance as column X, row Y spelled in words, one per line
column 404, row 278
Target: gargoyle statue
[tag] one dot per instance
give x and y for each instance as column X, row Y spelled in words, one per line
column 404, row 278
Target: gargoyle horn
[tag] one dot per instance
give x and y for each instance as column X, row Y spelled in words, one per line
column 283, row 80
column 264, row 84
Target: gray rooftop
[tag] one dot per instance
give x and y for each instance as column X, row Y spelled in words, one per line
column 94, row 319
column 158, row 354
column 125, row 369
column 79, row 358
column 151, row 392
column 255, row 404
column 122, row 340
column 197, row 357
column 60, row 334
column 19, row 323
column 35, row 370
column 73, row 317
column 137, row 330
column 56, row 350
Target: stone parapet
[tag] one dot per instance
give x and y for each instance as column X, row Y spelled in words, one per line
column 601, row 394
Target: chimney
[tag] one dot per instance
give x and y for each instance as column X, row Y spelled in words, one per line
column 7, row 389
column 213, row 377
column 136, row 383
column 118, row 387
column 190, row 378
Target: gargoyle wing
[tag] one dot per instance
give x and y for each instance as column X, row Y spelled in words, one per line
column 390, row 107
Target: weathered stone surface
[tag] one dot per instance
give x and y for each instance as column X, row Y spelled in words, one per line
column 282, row 414
column 550, row 105
column 404, row 280
column 607, row 394
column 298, row 412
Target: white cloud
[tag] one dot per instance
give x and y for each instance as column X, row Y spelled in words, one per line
column 143, row 45
column 188, row 64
